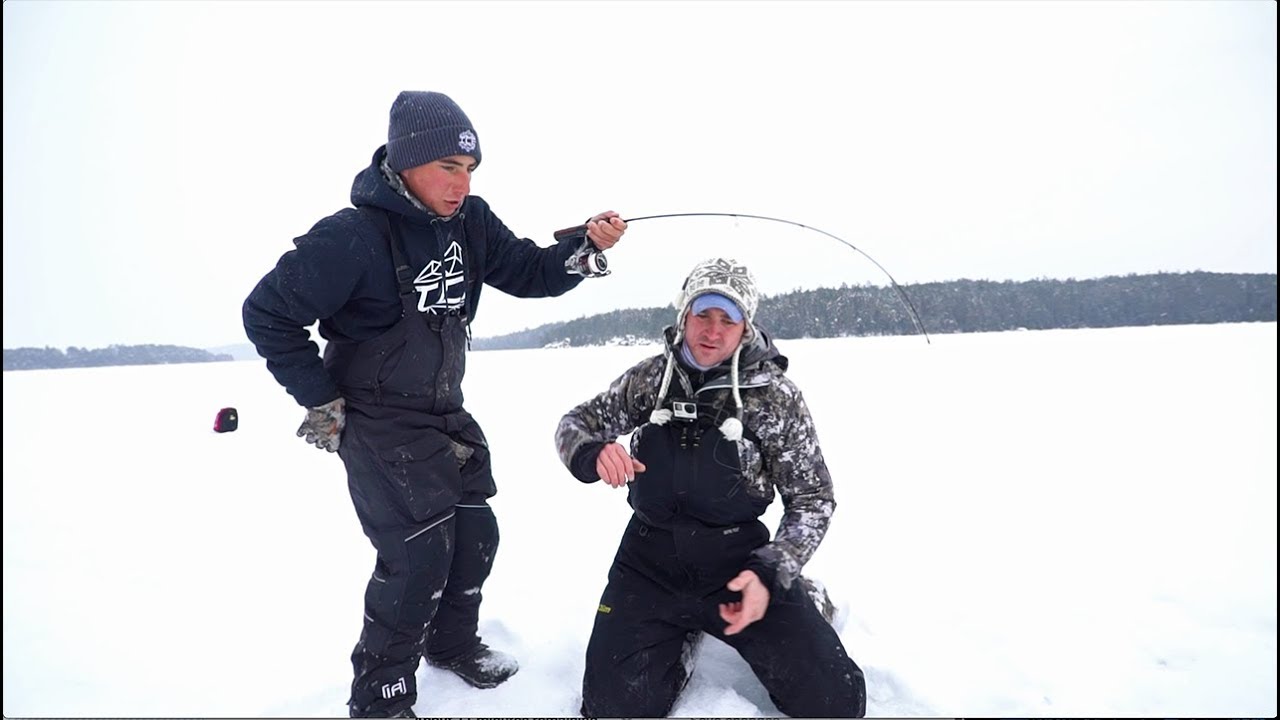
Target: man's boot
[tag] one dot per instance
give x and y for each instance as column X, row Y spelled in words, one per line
column 480, row 667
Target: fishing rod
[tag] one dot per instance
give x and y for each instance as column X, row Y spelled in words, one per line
column 915, row 317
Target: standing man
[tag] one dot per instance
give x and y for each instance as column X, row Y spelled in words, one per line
column 395, row 283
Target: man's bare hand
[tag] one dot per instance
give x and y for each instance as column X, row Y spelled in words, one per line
column 605, row 229
column 752, row 606
column 615, row 466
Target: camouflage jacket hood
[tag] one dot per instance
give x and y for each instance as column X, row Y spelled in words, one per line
column 778, row 455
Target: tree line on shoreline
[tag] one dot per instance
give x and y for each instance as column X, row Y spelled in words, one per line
column 46, row 358
column 956, row 306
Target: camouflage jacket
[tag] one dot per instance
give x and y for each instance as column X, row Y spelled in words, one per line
column 778, row 452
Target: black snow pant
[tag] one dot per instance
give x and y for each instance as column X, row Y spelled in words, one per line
column 424, row 594
column 665, row 587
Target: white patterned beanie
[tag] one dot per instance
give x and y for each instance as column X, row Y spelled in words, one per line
column 721, row 276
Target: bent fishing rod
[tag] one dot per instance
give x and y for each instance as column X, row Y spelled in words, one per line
column 915, row 317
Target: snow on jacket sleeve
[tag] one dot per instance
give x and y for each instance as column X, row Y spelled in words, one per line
column 617, row 411
column 311, row 282
column 520, row 267
column 793, row 462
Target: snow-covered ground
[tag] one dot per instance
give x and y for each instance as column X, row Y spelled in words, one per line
column 1058, row 523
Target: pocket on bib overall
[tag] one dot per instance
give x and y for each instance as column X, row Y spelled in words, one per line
column 424, row 473
column 473, row 459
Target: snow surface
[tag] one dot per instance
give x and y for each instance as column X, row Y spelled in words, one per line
column 1057, row 523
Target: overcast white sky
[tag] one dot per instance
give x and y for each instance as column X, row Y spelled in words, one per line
column 159, row 157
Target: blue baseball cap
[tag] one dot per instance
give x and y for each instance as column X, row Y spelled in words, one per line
column 706, row 301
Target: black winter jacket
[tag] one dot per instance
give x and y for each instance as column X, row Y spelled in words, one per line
column 341, row 273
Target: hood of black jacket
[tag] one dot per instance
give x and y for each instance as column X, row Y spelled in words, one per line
column 371, row 188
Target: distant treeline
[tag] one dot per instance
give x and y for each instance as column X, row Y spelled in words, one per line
column 42, row 358
column 957, row 306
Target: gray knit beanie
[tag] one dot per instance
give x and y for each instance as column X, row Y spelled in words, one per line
column 427, row 126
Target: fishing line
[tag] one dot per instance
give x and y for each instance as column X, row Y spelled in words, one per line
column 915, row 317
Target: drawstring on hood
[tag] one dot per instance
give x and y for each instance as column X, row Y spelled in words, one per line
column 731, row 279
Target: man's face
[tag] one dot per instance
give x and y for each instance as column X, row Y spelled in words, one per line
column 712, row 335
column 442, row 184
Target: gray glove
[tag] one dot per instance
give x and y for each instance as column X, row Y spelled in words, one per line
column 323, row 426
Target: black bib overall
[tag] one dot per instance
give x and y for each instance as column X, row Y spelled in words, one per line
column 419, row 475
column 693, row 530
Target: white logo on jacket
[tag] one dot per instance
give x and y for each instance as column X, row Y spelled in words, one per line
column 441, row 286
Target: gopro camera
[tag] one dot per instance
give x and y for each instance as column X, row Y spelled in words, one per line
column 684, row 410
